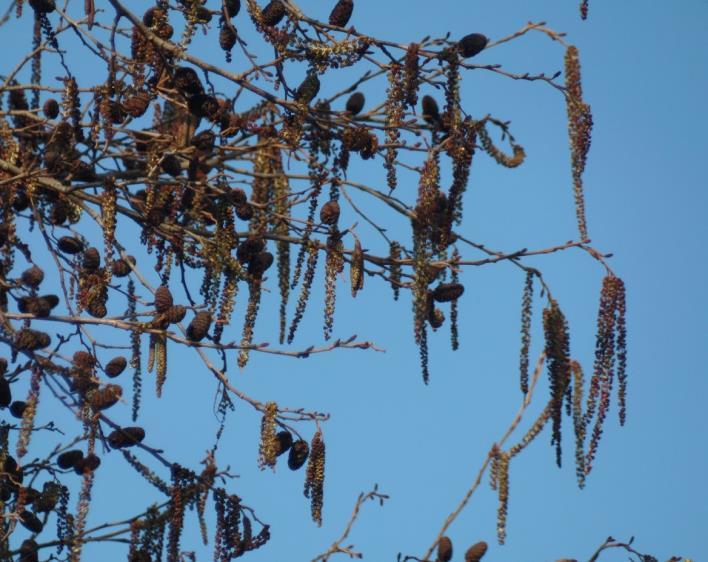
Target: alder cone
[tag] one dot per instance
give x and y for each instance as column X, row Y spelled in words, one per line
column 68, row 459
column 51, row 108
column 237, row 196
column 48, row 499
column 273, row 13
column 436, row 318
column 163, row 299
column 27, row 339
column 446, row 292
column 476, row 552
column 70, row 245
column 31, row 522
column 126, row 437
column 233, row 7
column 92, row 259
column 299, row 452
column 39, row 306
column 175, row 314
column 308, row 89
column 203, row 105
column 116, row 366
column 21, row 201
column 204, row 141
column 431, row 111
column 5, row 392
column 87, row 464
column 341, row 13
column 285, row 441
column 244, row 211
column 227, row 38
column 17, row 408
column 249, row 248
column 43, row 6
column 136, row 105
column 472, row 44
column 32, row 277
column 355, row 103
column 187, row 81
column 171, row 165
column 329, row 213
column 97, row 308
column 105, row 397
column 444, row 550
column 120, row 268
column 260, row 264
column 28, row 551
column 57, row 214
column 83, row 360
column 199, row 326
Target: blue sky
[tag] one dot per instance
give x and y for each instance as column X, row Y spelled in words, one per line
column 645, row 75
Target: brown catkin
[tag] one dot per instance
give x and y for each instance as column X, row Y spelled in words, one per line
column 269, row 443
column 314, row 478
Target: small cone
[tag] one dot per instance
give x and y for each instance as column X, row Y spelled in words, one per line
column 70, row 245
column 446, row 292
column 273, row 13
column 299, row 452
column 163, row 299
column 329, row 213
column 32, row 277
column 431, row 112
column 341, row 13
column 199, row 326
column 308, row 90
column 51, row 108
column 126, row 437
column 68, row 459
column 355, row 103
column 92, row 259
column 116, row 366
column 476, row 552
column 472, row 44
column 444, row 550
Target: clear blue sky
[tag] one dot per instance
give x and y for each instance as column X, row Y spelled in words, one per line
column 645, row 73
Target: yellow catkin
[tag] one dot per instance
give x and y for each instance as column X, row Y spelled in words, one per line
column 268, row 449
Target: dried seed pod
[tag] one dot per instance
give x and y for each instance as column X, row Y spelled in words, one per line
column 308, row 89
column 116, row 366
column 476, row 552
column 92, row 259
column 43, row 6
column 436, row 318
column 70, row 245
column 136, row 105
column 120, row 268
column 227, row 38
column 356, row 268
column 199, row 326
column 5, row 392
column 29, row 520
column 232, row 7
column 329, row 213
column 203, row 105
column 444, row 549
column 153, row 15
column 83, row 360
column 27, row 339
column 260, row 264
column 21, row 201
column 273, row 13
column 285, row 441
column 341, row 13
column 244, row 211
column 32, row 277
column 51, row 108
column 97, row 308
column 187, row 81
column 237, row 196
column 34, row 305
column 431, row 112
column 58, row 213
column 163, row 299
column 472, row 44
column 68, row 459
column 126, row 437
column 446, row 292
column 204, row 141
column 171, row 165
column 48, row 499
column 87, row 464
column 249, row 248
column 17, row 408
column 104, row 398
column 28, row 551
column 355, row 103
column 299, row 452
column 175, row 314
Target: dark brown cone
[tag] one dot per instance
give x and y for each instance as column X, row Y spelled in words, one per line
column 68, row 459
column 153, row 15
column 30, row 521
column 446, row 292
column 436, row 318
column 92, row 259
column 126, row 437
column 204, row 141
column 83, row 360
column 285, row 441
column 57, row 214
column 249, row 248
column 87, row 464
column 237, row 196
column 227, row 37
column 444, row 550
column 475, row 552
column 21, row 201
column 17, row 408
column 48, row 499
column 299, row 452
column 472, row 44
column 199, row 326
column 308, row 89
column 341, row 13
column 187, row 81
column 163, row 299
column 233, row 7
column 273, row 13
column 5, row 392
column 40, row 307
column 104, row 398
column 116, row 366
column 244, row 211
column 431, row 112
column 51, row 108
column 3, row 365
column 32, row 277
column 329, row 213
column 97, row 308
column 31, row 340
column 171, row 165
column 43, row 6
column 203, row 105
column 137, row 105
column 70, row 245
column 120, row 268
column 260, row 264
column 28, row 551
column 175, row 314
column 355, row 103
